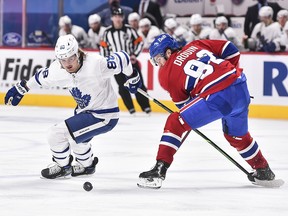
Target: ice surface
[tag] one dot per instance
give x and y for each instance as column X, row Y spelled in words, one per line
column 201, row 181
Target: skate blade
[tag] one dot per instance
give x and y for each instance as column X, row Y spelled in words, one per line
column 58, row 178
column 83, row 176
column 269, row 184
column 153, row 183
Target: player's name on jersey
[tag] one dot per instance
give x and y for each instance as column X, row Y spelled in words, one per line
column 182, row 56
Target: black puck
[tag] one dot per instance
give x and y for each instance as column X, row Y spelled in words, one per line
column 87, row 186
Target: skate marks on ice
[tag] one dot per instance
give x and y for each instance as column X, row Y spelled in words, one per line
column 200, row 181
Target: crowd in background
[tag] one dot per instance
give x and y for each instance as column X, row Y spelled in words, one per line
column 265, row 26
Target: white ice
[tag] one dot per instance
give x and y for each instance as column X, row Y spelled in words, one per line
column 201, row 181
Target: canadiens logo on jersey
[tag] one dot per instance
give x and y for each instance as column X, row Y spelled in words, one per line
column 82, row 101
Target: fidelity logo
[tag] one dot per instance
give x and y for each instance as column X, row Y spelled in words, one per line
column 15, row 68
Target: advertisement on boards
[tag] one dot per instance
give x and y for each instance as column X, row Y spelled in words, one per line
column 18, row 64
column 267, row 78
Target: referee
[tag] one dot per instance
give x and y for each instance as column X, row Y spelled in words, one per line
column 117, row 37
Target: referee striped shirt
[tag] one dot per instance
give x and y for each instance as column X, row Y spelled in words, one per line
column 126, row 38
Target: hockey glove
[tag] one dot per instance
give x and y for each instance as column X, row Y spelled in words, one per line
column 282, row 48
column 16, row 93
column 133, row 82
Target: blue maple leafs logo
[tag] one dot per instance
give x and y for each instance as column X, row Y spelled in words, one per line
column 82, row 101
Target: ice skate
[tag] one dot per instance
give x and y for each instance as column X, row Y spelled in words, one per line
column 78, row 169
column 265, row 177
column 148, row 111
column 153, row 178
column 56, row 171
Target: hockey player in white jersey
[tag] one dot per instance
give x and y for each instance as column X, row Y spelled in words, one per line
column 224, row 32
column 95, row 31
column 264, row 32
column 148, row 32
column 66, row 27
column 87, row 76
column 199, row 32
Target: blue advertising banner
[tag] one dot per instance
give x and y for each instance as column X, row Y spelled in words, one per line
column 42, row 19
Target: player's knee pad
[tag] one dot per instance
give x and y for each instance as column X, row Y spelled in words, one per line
column 176, row 125
column 239, row 142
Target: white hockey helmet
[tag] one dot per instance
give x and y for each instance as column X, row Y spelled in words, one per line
column 266, row 11
column 170, row 23
column 133, row 16
column 64, row 20
column 94, row 18
column 144, row 22
column 282, row 13
column 196, row 19
column 221, row 19
column 66, row 46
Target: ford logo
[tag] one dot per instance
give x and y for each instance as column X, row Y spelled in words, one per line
column 12, row 39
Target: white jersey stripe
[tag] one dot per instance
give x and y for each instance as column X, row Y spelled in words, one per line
column 169, row 144
column 190, row 104
column 90, row 128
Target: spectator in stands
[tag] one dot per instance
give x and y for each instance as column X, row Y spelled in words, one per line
column 96, row 31
column 106, row 14
column 198, row 31
column 78, row 32
column 151, row 10
column 251, row 17
column 180, row 33
column 148, row 32
column 223, row 32
column 264, row 32
column 133, row 20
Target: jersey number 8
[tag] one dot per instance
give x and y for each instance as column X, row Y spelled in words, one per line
column 111, row 64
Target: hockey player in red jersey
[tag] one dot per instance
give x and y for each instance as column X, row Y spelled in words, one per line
column 205, row 82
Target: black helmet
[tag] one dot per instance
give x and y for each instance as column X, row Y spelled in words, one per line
column 117, row 11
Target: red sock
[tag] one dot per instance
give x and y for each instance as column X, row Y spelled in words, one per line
column 171, row 138
column 248, row 149
column 165, row 153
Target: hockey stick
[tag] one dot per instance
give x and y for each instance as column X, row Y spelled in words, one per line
column 197, row 131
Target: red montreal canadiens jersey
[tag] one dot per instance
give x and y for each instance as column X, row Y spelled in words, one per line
column 188, row 73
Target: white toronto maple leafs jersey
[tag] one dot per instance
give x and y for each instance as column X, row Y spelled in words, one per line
column 267, row 33
column 91, row 85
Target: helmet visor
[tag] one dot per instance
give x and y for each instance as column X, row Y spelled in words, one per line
column 153, row 62
column 68, row 60
column 156, row 59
